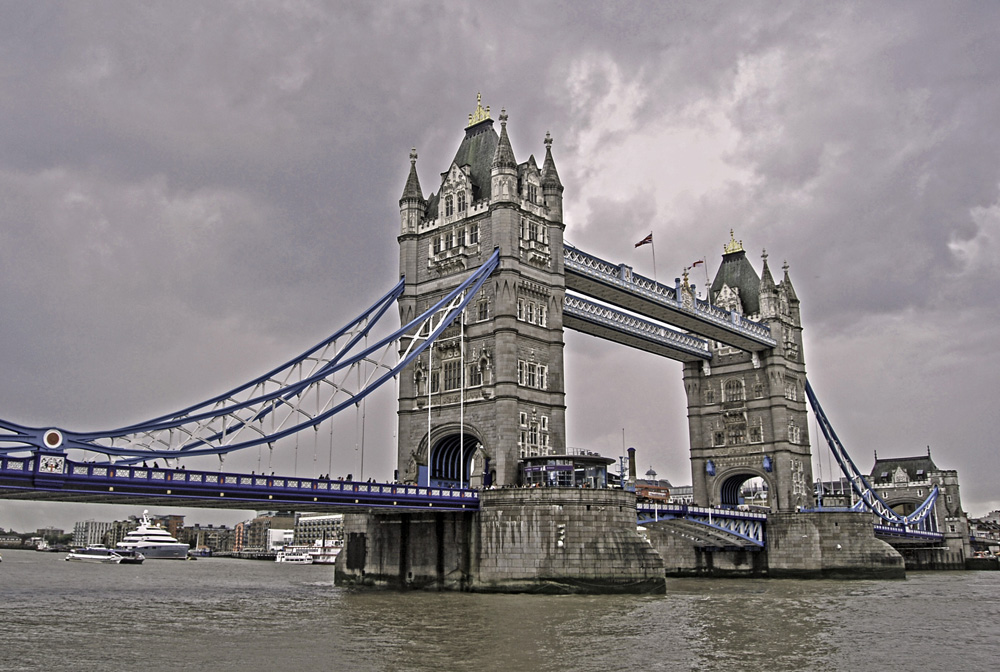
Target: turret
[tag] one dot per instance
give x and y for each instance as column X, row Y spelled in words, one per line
column 768, row 292
column 411, row 203
column 503, row 172
column 552, row 188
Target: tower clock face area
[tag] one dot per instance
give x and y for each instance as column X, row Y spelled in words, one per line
column 489, row 391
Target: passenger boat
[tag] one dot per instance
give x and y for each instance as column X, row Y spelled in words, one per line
column 153, row 542
column 96, row 553
column 295, row 555
column 325, row 552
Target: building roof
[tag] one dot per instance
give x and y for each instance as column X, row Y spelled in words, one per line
column 737, row 272
column 916, row 468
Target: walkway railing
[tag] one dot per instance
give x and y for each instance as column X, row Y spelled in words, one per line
column 20, row 476
column 625, row 279
column 574, row 306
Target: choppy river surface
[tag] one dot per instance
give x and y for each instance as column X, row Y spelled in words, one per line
column 238, row 615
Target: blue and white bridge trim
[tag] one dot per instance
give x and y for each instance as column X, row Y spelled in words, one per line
column 53, row 477
column 750, row 526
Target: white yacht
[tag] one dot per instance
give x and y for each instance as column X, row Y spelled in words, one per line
column 153, row 542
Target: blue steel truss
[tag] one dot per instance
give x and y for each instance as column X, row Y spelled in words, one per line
column 335, row 374
column 747, row 525
column 868, row 499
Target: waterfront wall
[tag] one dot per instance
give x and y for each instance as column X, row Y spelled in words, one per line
column 836, row 544
column 564, row 540
column 544, row 540
column 403, row 550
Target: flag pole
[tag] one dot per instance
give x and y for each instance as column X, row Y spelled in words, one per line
column 652, row 246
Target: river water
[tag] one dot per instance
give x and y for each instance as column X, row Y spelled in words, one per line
column 228, row 615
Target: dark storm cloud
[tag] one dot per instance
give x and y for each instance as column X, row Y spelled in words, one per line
column 193, row 192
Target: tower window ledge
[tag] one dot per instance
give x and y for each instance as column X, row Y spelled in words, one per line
column 455, row 257
column 533, row 208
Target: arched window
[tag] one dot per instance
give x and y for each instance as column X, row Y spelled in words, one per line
column 461, row 201
column 734, row 390
column 449, row 206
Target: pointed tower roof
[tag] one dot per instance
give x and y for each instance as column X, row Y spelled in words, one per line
column 786, row 284
column 736, row 271
column 504, row 155
column 766, row 281
column 412, row 188
column 550, row 177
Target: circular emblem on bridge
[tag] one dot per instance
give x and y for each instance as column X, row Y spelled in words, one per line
column 52, row 438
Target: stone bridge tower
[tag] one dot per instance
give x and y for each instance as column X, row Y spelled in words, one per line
column 747, row 411
column 491, row 390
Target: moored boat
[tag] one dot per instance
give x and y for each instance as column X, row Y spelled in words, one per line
column 153, row 542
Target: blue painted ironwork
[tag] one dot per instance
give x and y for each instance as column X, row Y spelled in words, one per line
column 868, row 499
column 627, row 280
column 31, row 477
column 747, row 525
column 333, row 375
column 623, row 323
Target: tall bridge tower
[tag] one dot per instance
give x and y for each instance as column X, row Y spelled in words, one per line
column 747, row 411
column 492, row 389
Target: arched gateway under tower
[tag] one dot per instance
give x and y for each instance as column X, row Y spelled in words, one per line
column 747, row 411
column 497, row 379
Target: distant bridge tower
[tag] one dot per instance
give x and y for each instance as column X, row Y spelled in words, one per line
column 747, row 411
column 470, row 407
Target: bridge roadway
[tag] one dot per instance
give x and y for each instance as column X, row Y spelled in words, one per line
column 618, row 285
column 21, row 478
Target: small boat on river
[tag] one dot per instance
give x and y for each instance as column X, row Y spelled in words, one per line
column 100, row 554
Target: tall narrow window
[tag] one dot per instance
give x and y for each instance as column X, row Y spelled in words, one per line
column 473, row 234
column 449, row 206
column 461, row 201
column 452, row 374
column 460, row 235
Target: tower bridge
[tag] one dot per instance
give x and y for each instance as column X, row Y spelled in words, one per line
column 488, row 286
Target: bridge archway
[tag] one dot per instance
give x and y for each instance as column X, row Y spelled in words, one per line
column 744, row 487
column 458, row 456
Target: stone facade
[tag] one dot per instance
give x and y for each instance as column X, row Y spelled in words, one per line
column 540, row 540
column 829, row 545
column 493, row 388
column 747, row 411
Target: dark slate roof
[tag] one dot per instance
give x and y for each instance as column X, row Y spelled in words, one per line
column 737, row 271
column 911, row 465
column 476, row 151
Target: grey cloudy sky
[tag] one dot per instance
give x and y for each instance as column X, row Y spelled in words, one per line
column 191, row 193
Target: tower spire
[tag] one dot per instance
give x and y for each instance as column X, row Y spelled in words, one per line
column 504, row 156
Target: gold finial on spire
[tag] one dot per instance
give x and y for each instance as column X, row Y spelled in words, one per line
column 733, row 245
column 480, row 114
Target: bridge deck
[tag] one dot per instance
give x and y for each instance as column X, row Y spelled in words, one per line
column 101, row 483
column 619, row 286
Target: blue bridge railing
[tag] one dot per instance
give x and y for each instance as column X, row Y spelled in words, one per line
column 57, row 478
